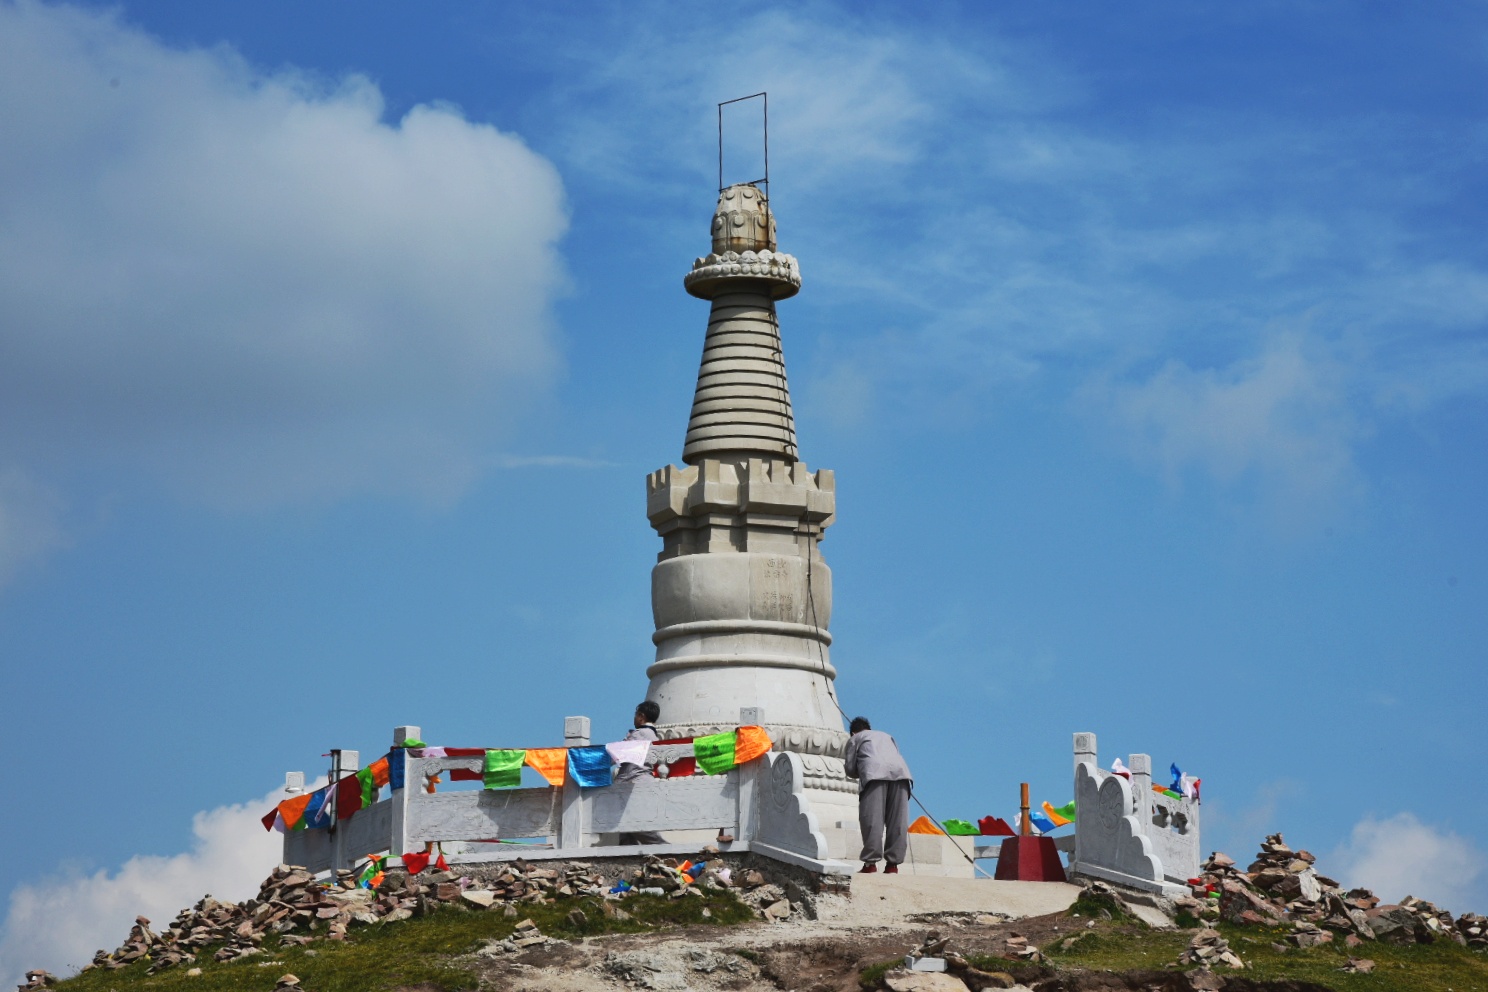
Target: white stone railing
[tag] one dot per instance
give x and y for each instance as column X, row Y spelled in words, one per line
column 1127, row 833
column 760, row 803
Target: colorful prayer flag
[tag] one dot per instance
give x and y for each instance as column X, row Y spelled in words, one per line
column 1041, row 821
column 348, row 797
column 995, row 826
column 629, row 752
column 715, row 752
column 1054, row 816
column 752, row 743
column 381, row 772
column 503, row 769
column 960, row 828
column 549, row 762
column 590, row 766
column 1177, row 777
column 370, row 874
column 317, row 817
column 1067, row 810
column 369, row 785
column 1117, row 768
column 925, row 825
column 441, row 864
column 397, row 766
column 415, row 861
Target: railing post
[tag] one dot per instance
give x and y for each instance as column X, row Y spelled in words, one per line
column 748, row 778
column 343, row 763
column 398, row 841
column 1141, row 771
column 575, row 823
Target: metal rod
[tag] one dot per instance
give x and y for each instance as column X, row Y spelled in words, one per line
column 740, row 99
column 767, row 145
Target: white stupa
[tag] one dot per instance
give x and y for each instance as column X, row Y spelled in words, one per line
column 740, row 594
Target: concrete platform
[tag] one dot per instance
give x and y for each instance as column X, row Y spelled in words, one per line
column 886, row 897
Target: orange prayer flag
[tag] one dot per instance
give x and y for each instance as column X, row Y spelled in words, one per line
column 750, row 744
column 924, row 825
column 549, row 762
column 293, row 810
column 381, row 774
column 1054, row 816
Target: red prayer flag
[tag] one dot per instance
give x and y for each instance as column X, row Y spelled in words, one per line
column 995, row 826
column 269, row 818
column 441, row 864
column 464, row 752
column 467, row 775
column 348, row 797
column 415, row 862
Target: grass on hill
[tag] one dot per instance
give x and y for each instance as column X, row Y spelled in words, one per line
column 418, row 952
column 1415, row 968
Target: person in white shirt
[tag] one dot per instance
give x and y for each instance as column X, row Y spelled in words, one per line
column 646, row 716
column 884, row 784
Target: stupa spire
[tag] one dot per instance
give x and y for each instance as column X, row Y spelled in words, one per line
column 742, row 406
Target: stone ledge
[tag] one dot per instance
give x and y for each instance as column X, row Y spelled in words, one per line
column 781, row 271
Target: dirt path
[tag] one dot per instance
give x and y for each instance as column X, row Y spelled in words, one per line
column 884, row 918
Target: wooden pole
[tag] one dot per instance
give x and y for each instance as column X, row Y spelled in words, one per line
column 1024, row 828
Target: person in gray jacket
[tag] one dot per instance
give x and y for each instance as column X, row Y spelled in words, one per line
column 884, row 783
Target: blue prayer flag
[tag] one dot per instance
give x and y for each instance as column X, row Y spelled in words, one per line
column 590, row 766
column 1177, row 778
column 1041, row 821
column 317, row 817
column 396, row 757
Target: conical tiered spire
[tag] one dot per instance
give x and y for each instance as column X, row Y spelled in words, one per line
column 742, row 405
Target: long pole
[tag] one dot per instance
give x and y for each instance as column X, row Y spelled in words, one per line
column 1024, row 827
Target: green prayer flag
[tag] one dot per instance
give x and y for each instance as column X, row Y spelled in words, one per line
column 1172, row 795
column 960, row 828
column 373, row 867
column 503, row 769
column 715, row 752
column 369, row 787
column 1067, row 810
column 413, row 742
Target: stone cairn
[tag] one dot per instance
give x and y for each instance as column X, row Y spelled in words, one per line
column 1281, row 888
column 292, row 907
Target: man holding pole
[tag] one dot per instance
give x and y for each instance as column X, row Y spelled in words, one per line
column 884, row 783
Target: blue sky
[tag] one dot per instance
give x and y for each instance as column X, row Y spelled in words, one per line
column 1148, row 346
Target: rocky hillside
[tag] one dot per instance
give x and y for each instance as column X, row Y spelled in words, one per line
column 740, row 925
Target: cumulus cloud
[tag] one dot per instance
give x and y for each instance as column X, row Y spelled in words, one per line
column 250, row 284
column 1402, row 856
column 1281, row 418
column 58, row 923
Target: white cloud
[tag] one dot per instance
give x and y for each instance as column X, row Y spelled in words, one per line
column 1402, row 856
column 58, row 923
column 1281, row 418
column 30, row 521
column 249, row 284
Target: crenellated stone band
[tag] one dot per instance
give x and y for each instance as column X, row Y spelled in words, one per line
column 807, row 664
column 742, row 627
